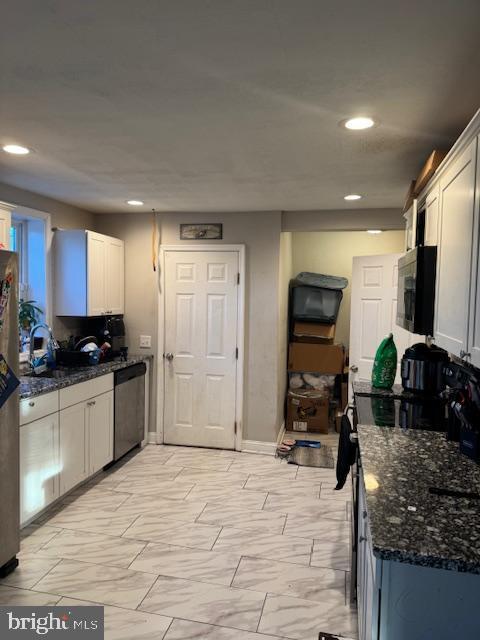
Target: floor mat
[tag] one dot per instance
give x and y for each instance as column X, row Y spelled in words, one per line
column 309, row 457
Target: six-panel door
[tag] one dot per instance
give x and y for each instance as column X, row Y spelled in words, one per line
column 201, row 308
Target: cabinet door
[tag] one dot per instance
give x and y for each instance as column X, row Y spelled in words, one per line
column 73, row 446
column 5, row 223
column 100, row 429
column 454, row 261
column 96, row 276
column 39, row 465
column 115, row 277
column 474, row 324
column 431, row 217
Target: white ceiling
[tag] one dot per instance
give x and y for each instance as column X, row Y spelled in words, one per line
column 217, row 105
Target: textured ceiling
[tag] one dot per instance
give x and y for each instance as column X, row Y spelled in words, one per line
column 216, row 105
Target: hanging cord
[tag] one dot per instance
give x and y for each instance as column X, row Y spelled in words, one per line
column 154, row 240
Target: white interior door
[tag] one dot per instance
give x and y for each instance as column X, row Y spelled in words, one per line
column 200, row 362
column 373, row 313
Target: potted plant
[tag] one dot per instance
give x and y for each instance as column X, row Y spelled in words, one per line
column 28, row 316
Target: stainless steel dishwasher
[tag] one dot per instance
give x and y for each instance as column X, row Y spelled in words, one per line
column 129, row 428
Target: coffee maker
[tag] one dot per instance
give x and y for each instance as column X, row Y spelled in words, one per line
column 109, row 329
column 422, row 369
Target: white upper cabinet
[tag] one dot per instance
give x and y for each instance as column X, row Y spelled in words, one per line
column 89, row 274
column 474, row 319
column 96, row 274
column 5, row 223
column 114, row 275
column 431, row 216
column 454, row 261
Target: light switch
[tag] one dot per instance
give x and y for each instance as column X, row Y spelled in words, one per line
column 145, row 342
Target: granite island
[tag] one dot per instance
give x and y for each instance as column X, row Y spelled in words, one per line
column 418, row 537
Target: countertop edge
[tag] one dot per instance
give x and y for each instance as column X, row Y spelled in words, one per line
column 414, row 558
column 51, row 385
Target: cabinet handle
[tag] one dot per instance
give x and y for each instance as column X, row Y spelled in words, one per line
column 362, row 539
column 31, row 403
column 364, row 514
column 465, row 354
column 91, row 404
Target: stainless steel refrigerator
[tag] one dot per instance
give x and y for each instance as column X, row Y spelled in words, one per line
column 9, row 414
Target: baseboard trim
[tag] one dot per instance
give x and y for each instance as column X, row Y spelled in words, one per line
column 152, row 437
column 256, row 446
column 281, row 434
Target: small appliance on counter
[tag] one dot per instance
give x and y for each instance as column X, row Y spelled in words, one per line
column 416, row 290
column 422, row 369
column 110, row 330
column 463, row 401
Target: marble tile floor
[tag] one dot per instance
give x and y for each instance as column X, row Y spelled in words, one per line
column 183, row 543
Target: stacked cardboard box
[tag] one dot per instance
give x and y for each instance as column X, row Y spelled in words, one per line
column 312, row 351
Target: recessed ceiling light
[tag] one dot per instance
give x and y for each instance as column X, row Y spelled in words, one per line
column 135, row 203
column 374, row 232
column 16, row 149
column 356, row 124
column 352, row 196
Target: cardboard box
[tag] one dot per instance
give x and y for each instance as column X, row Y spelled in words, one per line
column 314, row 332
column 320, row 358
column 410, row 197
column 307, row 411
column 429, row 168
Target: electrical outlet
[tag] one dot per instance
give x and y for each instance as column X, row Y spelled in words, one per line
column 145, row 342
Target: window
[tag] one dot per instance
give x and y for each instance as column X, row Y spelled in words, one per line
column 18, row 243
column 28, row 237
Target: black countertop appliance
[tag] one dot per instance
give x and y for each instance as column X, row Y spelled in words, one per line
column 109, row 329
column 416, row 290
column 422, row 369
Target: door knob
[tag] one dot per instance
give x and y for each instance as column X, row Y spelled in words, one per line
column 354, row 368
column 169, row 356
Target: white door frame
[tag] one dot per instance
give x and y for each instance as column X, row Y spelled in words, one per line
column 240, row 249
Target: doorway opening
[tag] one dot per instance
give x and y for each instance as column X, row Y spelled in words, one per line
column 330, row 253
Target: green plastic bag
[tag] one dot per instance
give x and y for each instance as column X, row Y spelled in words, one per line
column 385, row 364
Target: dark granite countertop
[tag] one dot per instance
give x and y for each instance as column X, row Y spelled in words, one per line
column 362, row 388
column 407, row 522
column 31, row 386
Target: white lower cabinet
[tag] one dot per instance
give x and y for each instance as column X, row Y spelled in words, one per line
column 100, row 431
column 73, row 446
column 39, row 465
column 60, row 450
column 86, row 439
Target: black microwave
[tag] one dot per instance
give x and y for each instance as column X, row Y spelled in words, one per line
column 416, row 290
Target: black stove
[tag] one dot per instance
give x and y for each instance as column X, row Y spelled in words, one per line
column 408, row 412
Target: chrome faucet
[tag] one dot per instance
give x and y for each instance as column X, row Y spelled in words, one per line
column 51, row 346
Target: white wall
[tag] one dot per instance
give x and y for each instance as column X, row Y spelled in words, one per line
column 284, row 277
column 332, row 252
column 342, row 220
column 260, row 232
column 261, row 235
